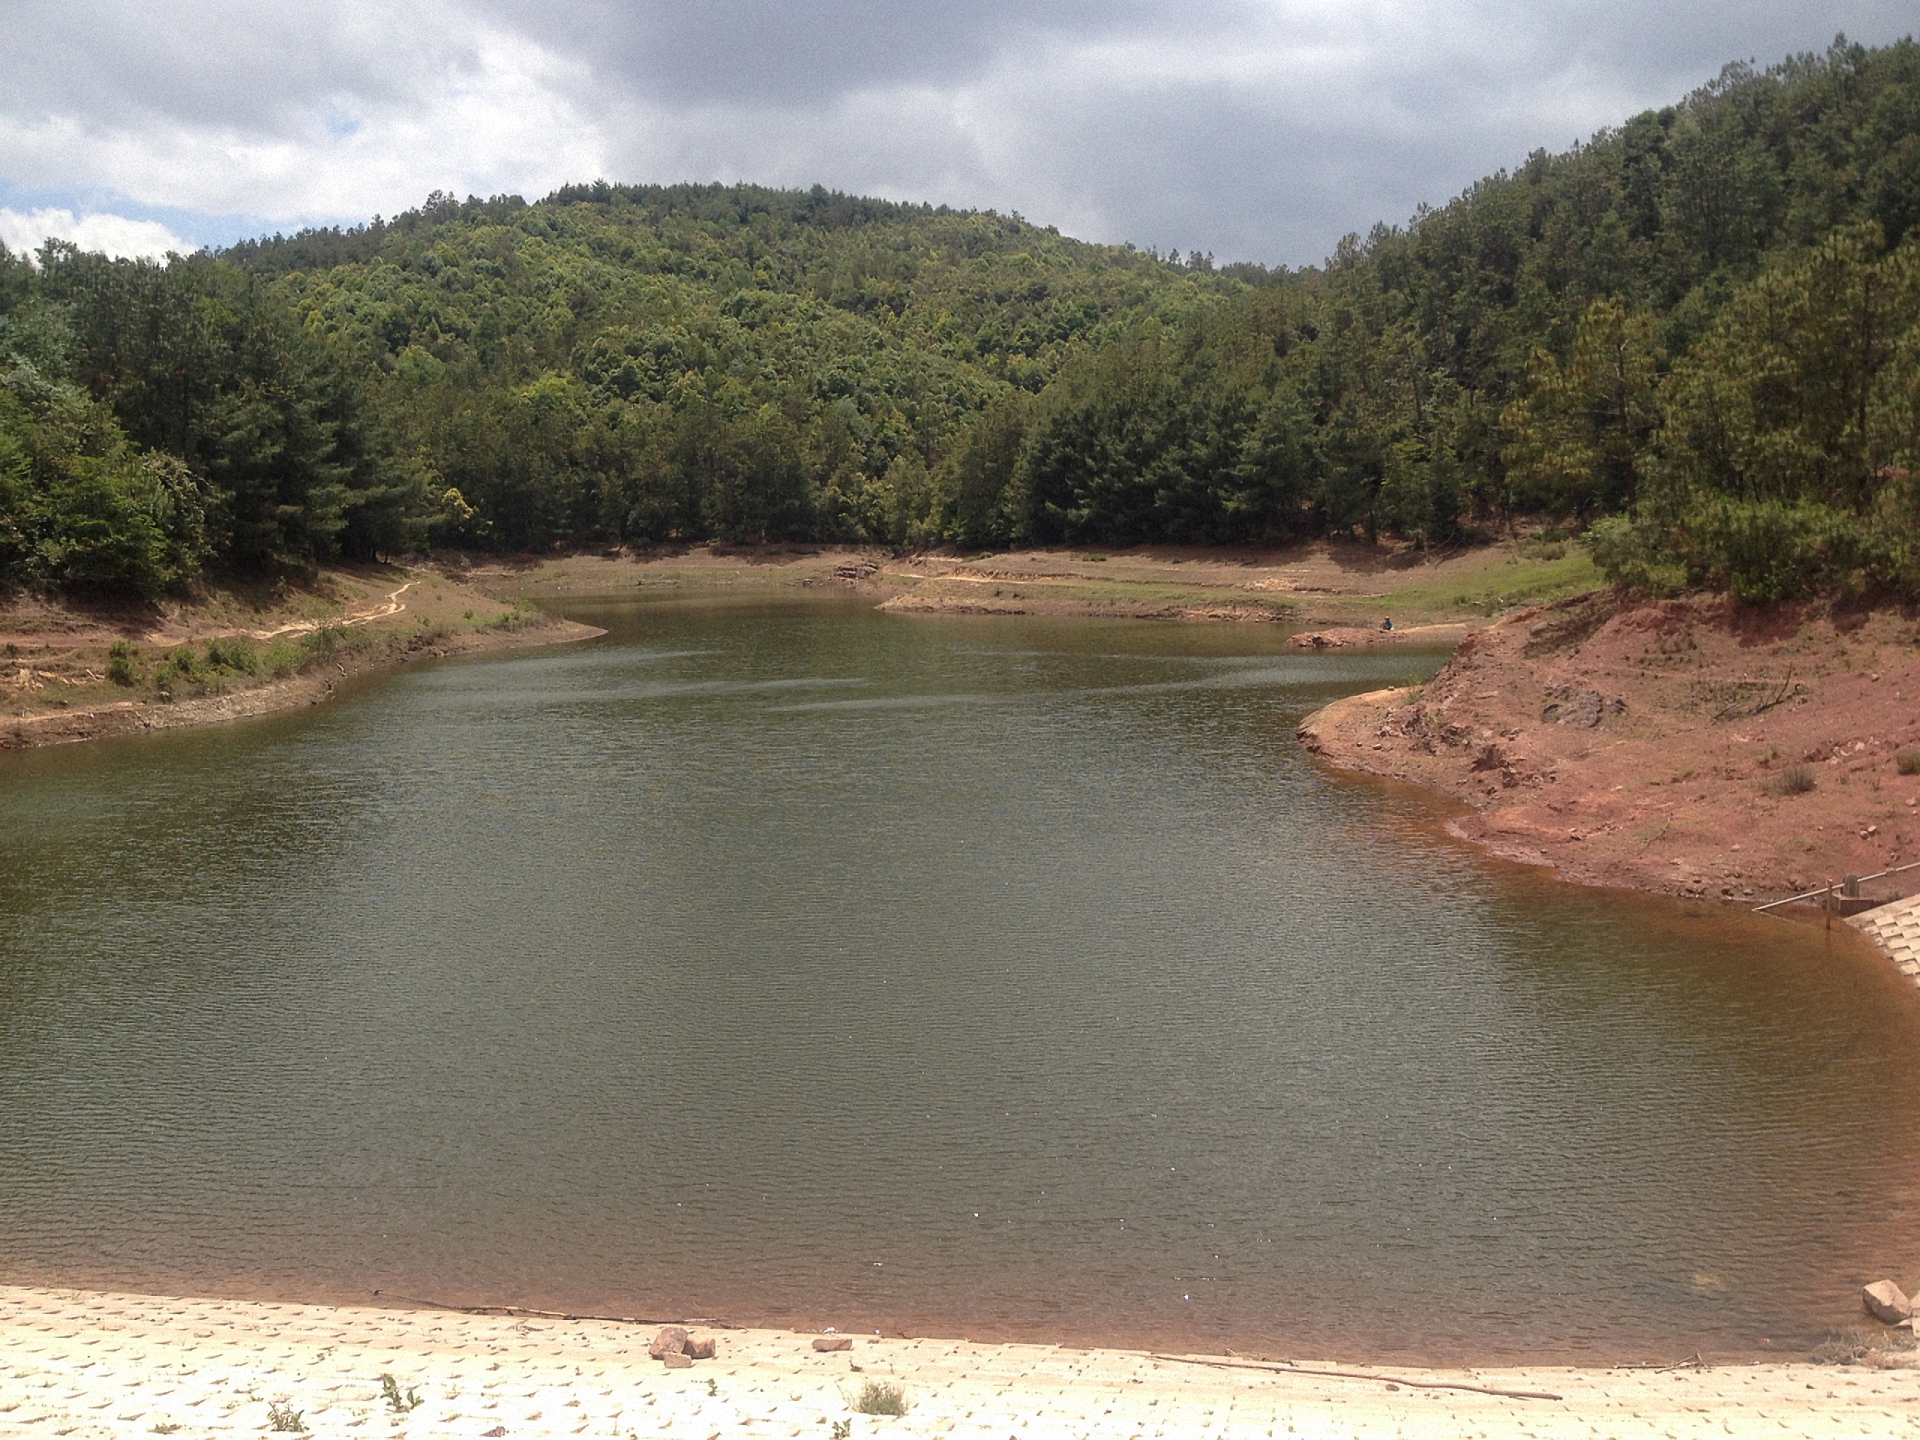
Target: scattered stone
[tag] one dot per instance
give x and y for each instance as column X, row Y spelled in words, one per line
column 671, row 1340
column 833, row 1342
column 1886, row 1302
column 677, row 1361
column 699, row 1349
column 1586, row 710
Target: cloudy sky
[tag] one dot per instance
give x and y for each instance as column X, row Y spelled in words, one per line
column 1254, row 129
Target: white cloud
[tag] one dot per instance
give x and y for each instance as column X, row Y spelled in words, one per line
column 25, row 231
column 500, row 114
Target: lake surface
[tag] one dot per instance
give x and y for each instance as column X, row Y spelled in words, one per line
column 1012, row 977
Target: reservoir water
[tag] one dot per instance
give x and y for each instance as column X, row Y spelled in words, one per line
column 1013, row 978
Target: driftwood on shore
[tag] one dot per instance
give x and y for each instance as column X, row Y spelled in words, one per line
column 1287, row 1367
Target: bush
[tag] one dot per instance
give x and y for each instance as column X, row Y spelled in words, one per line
column 881, row 1397
column 1765, row 551
column 233, row 652
column 1794, row 780
column 1908, row 761
column 169, row 673
column 122, row 656
column 1629, row 555
column 282, row 658
column 323, row 641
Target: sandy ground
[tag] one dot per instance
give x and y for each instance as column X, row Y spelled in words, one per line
column 75, row 1363
column 1649, row 746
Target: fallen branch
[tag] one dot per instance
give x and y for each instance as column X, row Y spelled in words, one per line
column 1278, row 1367
column 511, row 1310
column 1755, row 691
column 1692, row 1362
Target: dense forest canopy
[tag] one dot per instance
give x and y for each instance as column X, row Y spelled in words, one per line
column 1697, row 336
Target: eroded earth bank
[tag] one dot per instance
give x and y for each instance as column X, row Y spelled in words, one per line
column 1693, row 747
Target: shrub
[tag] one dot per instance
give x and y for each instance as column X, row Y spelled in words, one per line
column 233, row 652
column 1765, row 551
column 281, row 658
column 323, row 641
column 1629, row 555
column 1794, row 780
column 1908, row 761
column 881, row 1397
column 122, row 656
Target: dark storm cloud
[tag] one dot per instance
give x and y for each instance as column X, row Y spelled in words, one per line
column 757, row 52
column 1254, row 130
column 1260, row 129
column 233, row 64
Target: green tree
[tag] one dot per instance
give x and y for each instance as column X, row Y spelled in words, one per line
column 1578, row 441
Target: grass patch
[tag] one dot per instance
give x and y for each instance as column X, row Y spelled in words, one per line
column 881, row 1397
column 286, row 1418
column 1488, row 588
column 1531, row 582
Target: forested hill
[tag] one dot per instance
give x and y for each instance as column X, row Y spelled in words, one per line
column 1704, row 324
column 643, row 363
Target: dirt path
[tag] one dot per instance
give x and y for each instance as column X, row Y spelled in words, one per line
column 386, row 609
column 390, row 607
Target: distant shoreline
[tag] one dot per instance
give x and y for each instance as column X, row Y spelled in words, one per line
column 57, row 659
column 313, row 686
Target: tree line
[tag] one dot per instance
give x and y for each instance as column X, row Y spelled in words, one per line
column 1695, row 337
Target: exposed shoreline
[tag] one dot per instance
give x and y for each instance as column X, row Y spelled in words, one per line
column 1350, row 587
column 58, row 660
column 1686, row 748
column 55, row 659
column 311, row 687
column 96, row 1364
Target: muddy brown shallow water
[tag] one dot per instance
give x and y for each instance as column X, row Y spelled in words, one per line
column 1007, row 977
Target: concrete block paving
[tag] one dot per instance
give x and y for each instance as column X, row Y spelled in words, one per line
column 1895, row 928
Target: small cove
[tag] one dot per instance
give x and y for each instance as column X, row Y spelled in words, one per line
column 800, row 964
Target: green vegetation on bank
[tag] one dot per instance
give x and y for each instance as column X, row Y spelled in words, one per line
column 1695, row 338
